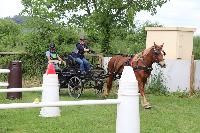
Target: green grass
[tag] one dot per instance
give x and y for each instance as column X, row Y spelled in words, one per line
column 170, row 114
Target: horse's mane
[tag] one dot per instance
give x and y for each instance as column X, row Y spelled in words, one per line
column 146, row 51
column 124, row 55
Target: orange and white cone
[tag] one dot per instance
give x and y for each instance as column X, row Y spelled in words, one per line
column 50, row 69
column 50, row 92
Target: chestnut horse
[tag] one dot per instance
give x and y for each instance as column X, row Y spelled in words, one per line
column 141, row 64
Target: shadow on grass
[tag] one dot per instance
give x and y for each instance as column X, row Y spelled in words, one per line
column 88, row 93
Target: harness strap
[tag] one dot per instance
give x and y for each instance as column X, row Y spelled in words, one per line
column 145, row 68
column 133, row 62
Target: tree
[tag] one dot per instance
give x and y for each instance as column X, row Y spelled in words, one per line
column 9, row 34
column 99, row 16
column 196, row 49
column 133, row 41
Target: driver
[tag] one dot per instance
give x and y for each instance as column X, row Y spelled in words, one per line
column 78, row 54
column 53, row 57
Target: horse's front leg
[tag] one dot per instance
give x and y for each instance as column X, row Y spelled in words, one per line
column 144, row 101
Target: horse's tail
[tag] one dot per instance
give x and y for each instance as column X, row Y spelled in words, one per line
column 109, row 83
column 111, row 71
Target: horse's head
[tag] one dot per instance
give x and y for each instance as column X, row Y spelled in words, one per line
column 158, row 54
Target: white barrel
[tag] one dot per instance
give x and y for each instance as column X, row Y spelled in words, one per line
column 128, row 117
column 50, row 93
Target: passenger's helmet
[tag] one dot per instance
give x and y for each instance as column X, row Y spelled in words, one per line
column 52, row 47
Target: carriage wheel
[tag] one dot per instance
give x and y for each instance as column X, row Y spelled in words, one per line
column 75, row 87
column 99, row 93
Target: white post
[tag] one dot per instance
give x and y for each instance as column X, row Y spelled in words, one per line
column 50, row 93
column 4, row 70
column 128, row 117
column 4, row 84
column 21, row 89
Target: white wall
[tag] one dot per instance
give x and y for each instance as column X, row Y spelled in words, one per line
column 105, row 62
column 176, row 74
column 197, row 74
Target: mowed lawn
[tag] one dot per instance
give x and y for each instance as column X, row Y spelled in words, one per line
column 170, row 114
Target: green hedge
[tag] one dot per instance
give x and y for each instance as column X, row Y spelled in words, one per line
column 196, row 47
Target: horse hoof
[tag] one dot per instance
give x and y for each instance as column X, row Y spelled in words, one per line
column 147, row 106
column 104, row 97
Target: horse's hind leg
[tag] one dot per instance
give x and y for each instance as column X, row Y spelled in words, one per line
column 109, row 85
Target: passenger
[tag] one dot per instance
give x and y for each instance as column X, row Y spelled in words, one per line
column 52, row 56
column 78, row 54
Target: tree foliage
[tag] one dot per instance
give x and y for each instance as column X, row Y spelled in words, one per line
column 38, row 34
column 34, row 35
column 33, row 38
column 100, row 17
column 132, row 41
column 9, row 34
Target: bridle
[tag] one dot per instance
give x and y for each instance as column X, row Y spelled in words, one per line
column 156, row 53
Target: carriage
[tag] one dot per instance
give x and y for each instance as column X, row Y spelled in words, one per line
column 71, row 78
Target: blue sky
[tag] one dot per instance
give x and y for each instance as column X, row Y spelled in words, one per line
column 178, row 13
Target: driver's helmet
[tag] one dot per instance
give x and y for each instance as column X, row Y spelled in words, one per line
column 52, row 47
